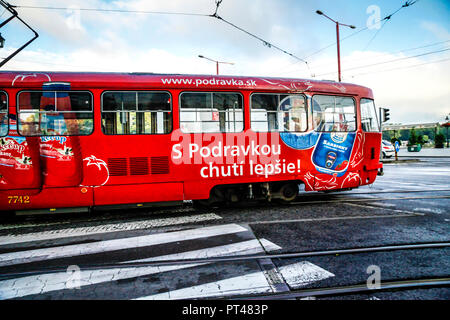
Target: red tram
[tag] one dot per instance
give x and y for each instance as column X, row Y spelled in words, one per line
column 72, row 141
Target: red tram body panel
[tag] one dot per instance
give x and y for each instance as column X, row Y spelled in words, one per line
column 72, row 140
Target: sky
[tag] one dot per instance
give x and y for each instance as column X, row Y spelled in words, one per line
column 405, row 60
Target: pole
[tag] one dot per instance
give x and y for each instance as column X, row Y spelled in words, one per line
column 217, row 67
column 337, row 39
column 435, row 133
column 338, row 51
column 447, row 136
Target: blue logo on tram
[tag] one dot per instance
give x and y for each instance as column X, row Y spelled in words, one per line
column 332, row 152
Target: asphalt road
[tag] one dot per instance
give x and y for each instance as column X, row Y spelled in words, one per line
column 94, row 256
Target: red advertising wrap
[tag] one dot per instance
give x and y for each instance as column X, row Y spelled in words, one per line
column 72, row 141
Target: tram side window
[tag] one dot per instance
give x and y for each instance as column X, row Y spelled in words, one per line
column 278, row 112
column 211, row 112
column 50, row 113
column 369, row 120
column 136, row 112
column 334, row 113
column 3, row 114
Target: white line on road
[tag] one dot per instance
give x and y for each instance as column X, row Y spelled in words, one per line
column 29, row 285
column 247, row 247
column 28, row 256
column 375, row 206
column 303, row 273
column 297, row 274
column 336, row 218
column 73, row 232
column 432, row 210
column 48, row 282
column 251, row 283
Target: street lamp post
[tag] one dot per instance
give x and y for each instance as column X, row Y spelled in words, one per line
column 447, row 124
column 337, row 39
column 217, row 62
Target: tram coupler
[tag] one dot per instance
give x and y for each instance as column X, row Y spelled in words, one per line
column 380, row 172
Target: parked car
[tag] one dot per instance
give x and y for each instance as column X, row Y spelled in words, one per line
column 387, row 149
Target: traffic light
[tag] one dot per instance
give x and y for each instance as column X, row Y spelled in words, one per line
column 385, row 114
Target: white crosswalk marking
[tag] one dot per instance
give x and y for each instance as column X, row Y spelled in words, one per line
column 303, row 273
column 82, row 231
column 58, row 281
column 245, row 247
column 48, row 282
column 28, row 256
column 250, row 282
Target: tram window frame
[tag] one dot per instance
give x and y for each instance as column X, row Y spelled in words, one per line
column 355, row 109
column 277, row 112
column 377, row 123
column 36, row 111
column 6, row 112
column 211, row 109
column 170, row 112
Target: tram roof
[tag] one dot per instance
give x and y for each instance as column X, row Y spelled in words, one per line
column 87, row 80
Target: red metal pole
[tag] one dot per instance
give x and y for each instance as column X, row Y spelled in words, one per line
column 338, row 52
column 217, row 67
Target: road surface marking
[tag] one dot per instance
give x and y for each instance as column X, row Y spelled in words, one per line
column 251, row 283
column 30, row 285
column 303, row 273
column 244, row 247
column 432, row 210
column 28, row 256
column 300, row 274
column 51, row 282
column 72, row 232
column 375, row 206
column 414, row 214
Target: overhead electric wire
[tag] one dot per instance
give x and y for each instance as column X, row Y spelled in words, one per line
column 266, row 43
column 214, row 15
column 375, row 35
column 385, row 54
column 334, row 43
column 398, row 68
column 407, row 4
column 388, row 18
column 389, row 61
column 57, row 64
column 115, row 10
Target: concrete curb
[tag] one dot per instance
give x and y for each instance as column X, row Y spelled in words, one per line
column 424, row 156
column 400, row 161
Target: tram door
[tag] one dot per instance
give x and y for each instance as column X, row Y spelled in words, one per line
column 60, row 151
column 50, row 116
column 372, row 138
column 19, row 159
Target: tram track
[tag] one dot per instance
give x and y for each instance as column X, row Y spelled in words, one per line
column 188, row 207
column 233, row 258
column 368, row 199
column 138, row 215
column 383, row 191
column 346, row 290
